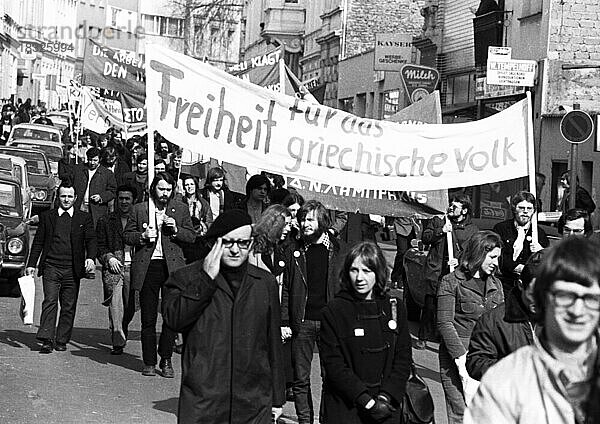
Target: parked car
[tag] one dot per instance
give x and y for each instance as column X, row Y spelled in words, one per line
column 52, row 150
column 34, row 132
column 42, row 182
column 17, row 167
column 60, row 120
column 14, row 231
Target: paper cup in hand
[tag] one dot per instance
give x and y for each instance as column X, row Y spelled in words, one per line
column 27, row 286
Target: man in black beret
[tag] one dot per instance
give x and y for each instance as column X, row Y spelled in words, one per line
column 228, row 312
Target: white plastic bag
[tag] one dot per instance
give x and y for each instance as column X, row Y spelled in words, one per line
column 27, row 285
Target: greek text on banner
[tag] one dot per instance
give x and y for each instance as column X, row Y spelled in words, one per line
column 230, row 119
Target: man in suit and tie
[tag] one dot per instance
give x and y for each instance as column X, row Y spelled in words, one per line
column 158, row 252
column 95, row 186
column 65, row 245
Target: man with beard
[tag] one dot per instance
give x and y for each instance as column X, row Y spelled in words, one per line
column 65, row 244
column 158, row 252
column 437, row 264
column 517, row 237
column 95, row 186
column 228, row 311
column 313, row 265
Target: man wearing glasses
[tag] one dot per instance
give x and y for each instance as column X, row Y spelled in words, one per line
column 516, row 235
column 228, row 312
column 576, row 222
column 557, row 379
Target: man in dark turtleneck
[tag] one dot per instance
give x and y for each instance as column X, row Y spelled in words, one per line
column 228, row 312
column 65, row 245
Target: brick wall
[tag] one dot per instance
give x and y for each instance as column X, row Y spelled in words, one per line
column 574, row 30
column 368, row 17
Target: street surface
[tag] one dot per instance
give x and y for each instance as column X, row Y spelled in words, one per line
column 86, row 384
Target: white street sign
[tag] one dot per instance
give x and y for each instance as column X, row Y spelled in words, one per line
column 511, row 72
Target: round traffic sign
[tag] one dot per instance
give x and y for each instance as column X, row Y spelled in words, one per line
column 576, row 126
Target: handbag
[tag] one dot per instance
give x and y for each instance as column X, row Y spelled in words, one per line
column 417, row 405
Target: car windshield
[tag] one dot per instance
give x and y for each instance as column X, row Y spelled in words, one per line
column 52, row 152
column 34, row 161
column 10, row 200
column 35, row 134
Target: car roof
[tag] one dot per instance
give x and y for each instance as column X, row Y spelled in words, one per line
column 35, row 141
column 22, row 149
column 9, row 179
column 18, row 160
column 48, row 128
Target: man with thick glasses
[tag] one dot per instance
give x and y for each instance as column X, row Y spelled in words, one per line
column 228, row 312
column 576, row 222
column 557, row 379
column 516, row 234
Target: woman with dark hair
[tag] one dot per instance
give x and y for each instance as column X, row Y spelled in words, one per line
column 258, row 188
column 365, row 344
column 463, row 296
column 217, row 194
column 294, row 202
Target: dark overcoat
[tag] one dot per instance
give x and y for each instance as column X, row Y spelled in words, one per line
column 295, row 286
column 362, row 354
column 232, row 369
column 172, row 244
column 103, row 183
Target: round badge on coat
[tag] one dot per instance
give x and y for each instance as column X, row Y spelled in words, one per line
column 281, row 264
column 296, row 254
column 392, row 324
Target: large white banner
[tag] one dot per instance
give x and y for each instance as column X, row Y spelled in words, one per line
column 207, row 111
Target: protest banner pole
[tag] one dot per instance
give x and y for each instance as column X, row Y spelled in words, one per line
column 450, row 244
column 531, row 166
column 281, row 76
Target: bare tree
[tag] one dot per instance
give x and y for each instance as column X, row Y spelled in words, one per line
column 198, row 14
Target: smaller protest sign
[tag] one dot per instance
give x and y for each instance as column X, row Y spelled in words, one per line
column 111, row 69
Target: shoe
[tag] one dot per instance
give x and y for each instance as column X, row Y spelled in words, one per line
column 60, row 347
column 46, row 347
column 166, row 368
column 149, row 371
column 117, row 350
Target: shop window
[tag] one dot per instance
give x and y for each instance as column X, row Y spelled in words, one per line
column 391, row 103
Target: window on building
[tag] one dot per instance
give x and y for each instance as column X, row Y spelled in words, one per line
column 347, row 105
column 459, row 89
column 391, row 103
column 163, row 25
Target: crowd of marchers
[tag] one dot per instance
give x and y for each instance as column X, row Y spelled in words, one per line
column 247, row 285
